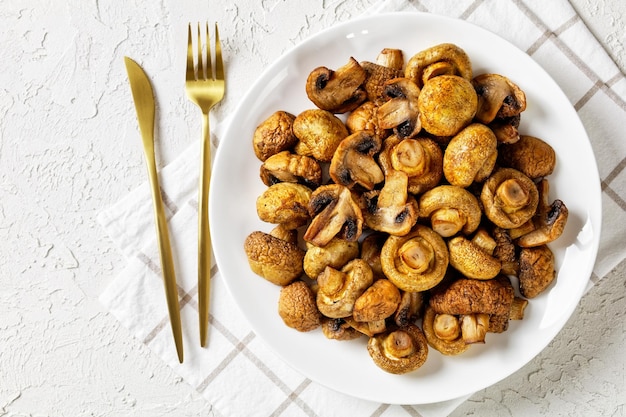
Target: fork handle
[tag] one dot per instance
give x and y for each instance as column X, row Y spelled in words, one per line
column 204, row 234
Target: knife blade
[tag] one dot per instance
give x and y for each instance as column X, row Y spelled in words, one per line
column 143, row 98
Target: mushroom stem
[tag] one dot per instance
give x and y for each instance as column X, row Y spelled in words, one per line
column 398, row 344
column 474, row 327
column 517, row 308
column 446, row 327
column 409, row 156
column 447, row 221
column 513, row 195
column 417, row 254
column 484, row 241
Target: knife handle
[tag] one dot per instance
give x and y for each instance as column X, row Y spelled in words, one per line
column 204, row 234
column 165, row 252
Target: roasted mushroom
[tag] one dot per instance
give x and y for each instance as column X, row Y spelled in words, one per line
column 400, row 112
column 446, row 105
column 337, row 91
column 287, row 167
column 420, row 158
column 339, row 329
column 391, row 58
column 443, row 332
column 274, row 259
column 451, row 209
column 353, row 162
column 399, row 351
column 378, row 302
column 371, row 247
column 284, row 203
column 417, row 261
column 409, row 308
column 333, row 213
column 288, row 235
column 471, row 296
column 505, row 251
column 470, row 260
column 530, row 155
column 470, row 155
column 297, row 307
column 274, row 135
column 500, row 323
column 536, row 271
column 509, row 198
column 320, row 131
column 336, row 254
column 497, row 97
column 474, row 327
column 549, row 221
column 507, row 129
column 365, row 117
column 442, row 59
column 377, row 76
column 391, row 209
column 339, row 289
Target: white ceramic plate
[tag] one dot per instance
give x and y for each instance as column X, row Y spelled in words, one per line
column 346, row 366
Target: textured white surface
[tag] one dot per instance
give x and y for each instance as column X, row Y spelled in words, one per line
column 60, row 90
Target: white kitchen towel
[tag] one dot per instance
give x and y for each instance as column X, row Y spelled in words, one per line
column 238, row 375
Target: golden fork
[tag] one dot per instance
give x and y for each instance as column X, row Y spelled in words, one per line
column 205, row 89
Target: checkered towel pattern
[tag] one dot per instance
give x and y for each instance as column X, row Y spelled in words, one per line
column 238, row 375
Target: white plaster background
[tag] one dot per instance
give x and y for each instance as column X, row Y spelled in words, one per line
column 60, row 355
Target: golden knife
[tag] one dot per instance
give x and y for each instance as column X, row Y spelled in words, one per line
column 144, row 104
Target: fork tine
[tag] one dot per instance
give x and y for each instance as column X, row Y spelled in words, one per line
column 190, row 72
column 219, row 64
column 201, row 65
column 209, row 67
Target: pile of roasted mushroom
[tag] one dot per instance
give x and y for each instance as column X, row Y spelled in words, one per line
column 417, row 199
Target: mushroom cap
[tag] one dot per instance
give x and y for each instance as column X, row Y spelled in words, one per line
column 470, row 155
column 337, row 91
column 497, row 97
column 336, row 254
column 365, row 117
column 371, row 247
column 447, row 347
column 334, row 213
column 274, row 259
column 353, row 162
column 297, row 307
column 287, row 167
column 377, row 76
column 400, row 112
column 446, row 105
column 470, row 260
column 339, row 289
column 378, row 302
column 530, row 155
column 274, row 135
column 454, row 59
column 470, row 296
column 339, row 329
column 399, row 351
column 417, row 261
column 409, row 309
column 536, row 271
column 451, row 209
column 509, row 198
column 284, row 203
column 320, row 131
column 391, row 209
